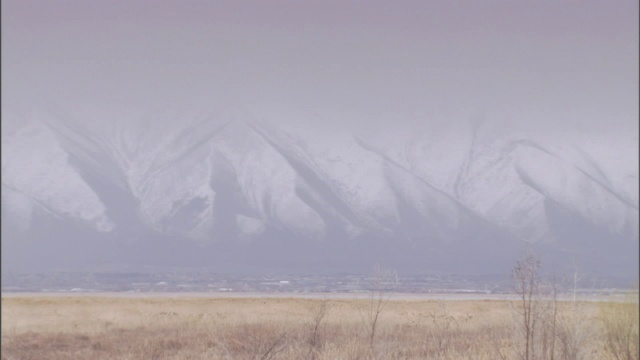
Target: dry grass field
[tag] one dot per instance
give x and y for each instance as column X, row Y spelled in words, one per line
column 110, row 327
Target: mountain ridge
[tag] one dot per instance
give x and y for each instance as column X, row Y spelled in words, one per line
column 239, row 181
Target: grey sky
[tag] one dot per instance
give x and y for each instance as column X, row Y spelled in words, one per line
column 571, row 62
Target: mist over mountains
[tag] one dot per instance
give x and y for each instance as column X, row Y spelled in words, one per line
column 327, row 136
column 242, row 192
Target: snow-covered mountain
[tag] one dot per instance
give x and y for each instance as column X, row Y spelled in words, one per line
column 236, row 189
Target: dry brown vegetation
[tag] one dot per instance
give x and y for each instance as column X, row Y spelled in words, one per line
column 93, row 327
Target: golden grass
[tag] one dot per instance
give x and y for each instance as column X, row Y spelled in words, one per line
column 92, row 327
column 620, row 329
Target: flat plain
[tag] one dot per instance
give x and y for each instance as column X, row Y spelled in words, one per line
column 200, row 327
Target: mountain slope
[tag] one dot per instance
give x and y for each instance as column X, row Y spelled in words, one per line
column 446, row 197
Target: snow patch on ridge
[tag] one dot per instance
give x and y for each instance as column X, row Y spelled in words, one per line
column 42, row 172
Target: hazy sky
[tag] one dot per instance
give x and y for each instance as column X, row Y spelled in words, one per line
column 570, row 62
column 566, row 69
